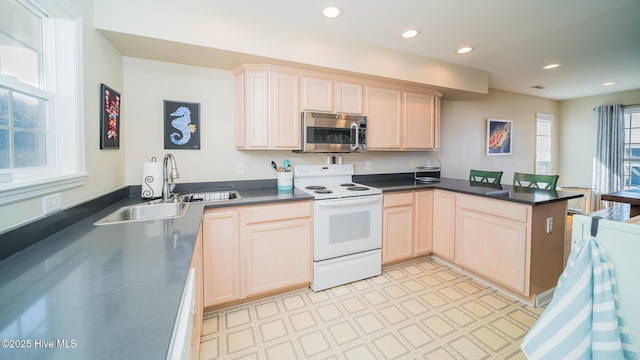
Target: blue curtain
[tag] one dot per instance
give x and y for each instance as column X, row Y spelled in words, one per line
column 608, row 171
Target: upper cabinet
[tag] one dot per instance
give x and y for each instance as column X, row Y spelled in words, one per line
column 327, row 95
column 269, row 100
column 267, row 109
column 401, row 119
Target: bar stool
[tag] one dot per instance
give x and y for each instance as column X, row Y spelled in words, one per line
column 482, row 176
column 535, row 181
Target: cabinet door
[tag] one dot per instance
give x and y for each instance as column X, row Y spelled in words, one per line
column 493, row 247
column 444, row 221
column 418, row 116
column 348, row 98
column 423, row 222
column 285, row 116
column 397, row 233
column 278, row 255
column 317, row 94
column 384, row 122
column 256, row 109
column 221, row 248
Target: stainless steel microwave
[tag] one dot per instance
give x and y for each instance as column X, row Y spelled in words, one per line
column 333, row 133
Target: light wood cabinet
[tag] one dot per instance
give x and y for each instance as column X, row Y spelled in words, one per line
column 255, row 250
column 397, row 228
column 269, row 100
column 444, row 221
column 221, row 256
column 510, row 244
column 423, row 222
column 267, row 109
column 492, row 238
column 317, row 94
column 278, row 250
column 398, row 119
column 196, row 263
column 406, row 229
column 384, row 118
column 326, row 95
column 419, row 121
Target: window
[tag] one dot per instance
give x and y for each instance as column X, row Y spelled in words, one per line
column 41, row 110
column 631, row 159
column 544, row 124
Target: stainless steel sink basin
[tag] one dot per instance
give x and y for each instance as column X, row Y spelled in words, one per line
column 210, row 196
column 146, row 211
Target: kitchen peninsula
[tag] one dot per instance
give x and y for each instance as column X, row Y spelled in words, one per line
column 513, row 237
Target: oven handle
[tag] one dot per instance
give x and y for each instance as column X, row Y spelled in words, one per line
column 345, row 202
column 355, row 125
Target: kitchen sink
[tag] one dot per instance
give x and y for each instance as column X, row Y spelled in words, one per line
column 210, row 196
column 146, row 211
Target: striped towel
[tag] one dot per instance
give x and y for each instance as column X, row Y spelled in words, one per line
column 583, row 320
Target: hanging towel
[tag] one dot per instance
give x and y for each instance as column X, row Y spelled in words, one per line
column 583, row 320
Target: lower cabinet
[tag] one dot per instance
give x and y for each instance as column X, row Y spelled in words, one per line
column 406, row 229
column 278, row 255
column 221, row 256
column 492, row 238
column 254, row 250
column 444, row 220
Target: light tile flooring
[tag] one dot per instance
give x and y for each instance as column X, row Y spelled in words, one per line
column 420, row 309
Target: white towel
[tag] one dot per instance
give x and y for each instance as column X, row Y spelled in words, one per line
column 583, row 320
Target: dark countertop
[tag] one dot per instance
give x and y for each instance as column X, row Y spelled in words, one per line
column 104, row 292
column 400, row 182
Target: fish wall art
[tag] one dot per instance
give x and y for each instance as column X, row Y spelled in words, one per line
column 499, row 135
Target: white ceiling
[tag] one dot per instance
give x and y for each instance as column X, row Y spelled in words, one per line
column 595, row 41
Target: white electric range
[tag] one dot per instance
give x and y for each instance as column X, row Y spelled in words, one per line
column 347, row 224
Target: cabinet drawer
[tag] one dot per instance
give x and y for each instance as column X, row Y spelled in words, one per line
column 277, row 212
column 398, row 199
column 499, row 208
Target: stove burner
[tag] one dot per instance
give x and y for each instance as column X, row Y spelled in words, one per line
column 315, row 187
column 348, row 184
column 323, row 191
column 358, row 188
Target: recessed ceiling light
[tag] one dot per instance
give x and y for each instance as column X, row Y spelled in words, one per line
column 550, row 66
column 332, row 12
column 539, row 87
column 411, row 33
column 609, row 83
column 464, row 50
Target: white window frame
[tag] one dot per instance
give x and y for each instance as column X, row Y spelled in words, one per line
column 548, row 118
column 65, row 119
column 629, row 161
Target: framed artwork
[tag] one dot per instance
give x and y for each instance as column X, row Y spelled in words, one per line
column 499, row 135
column 109, row 118
column 181, row 125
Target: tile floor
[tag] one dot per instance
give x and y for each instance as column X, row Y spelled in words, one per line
column 420, row 309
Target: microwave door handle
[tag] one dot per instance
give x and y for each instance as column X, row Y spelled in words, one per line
column 355, row 146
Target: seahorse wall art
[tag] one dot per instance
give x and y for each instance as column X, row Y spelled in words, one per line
column 183, row 124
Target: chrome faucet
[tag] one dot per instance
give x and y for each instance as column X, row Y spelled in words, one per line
column 168, row 185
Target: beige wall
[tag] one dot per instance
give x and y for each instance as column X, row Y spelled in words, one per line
column 102, row 64
column 576, row 134
column 148, row 83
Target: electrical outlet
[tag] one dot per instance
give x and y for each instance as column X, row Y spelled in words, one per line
column 51, row 203
column 367, row 165
column 549, row 225
column 413, row 164
column 240, row 169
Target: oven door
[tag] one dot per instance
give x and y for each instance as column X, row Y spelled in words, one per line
column 346, row 226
